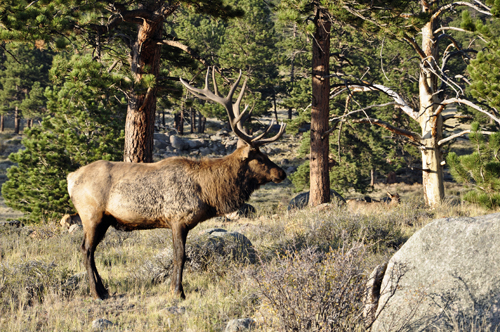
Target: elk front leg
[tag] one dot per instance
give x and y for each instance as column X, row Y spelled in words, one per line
column 179, row 235
column 91, row 238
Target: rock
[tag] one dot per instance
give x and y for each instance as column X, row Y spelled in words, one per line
column 178, row 143
column 243, row 324
column 196, row 143
column 205, row 151
column 101, row 324
column 291, row 169
column 301, row 200
column 445, row 277
column 176, row 310
column 6, row 164
column 12, row 223
column 75, row 228
column 245, row 211
column 70, row 219
column 284, row 162
column 160, row 145
column 161, row 137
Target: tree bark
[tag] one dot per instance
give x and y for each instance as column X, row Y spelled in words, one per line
column 16, row 120
column 201, row 124
column 319, row 176
column 193, row 120
column 2, row 123
column 139, row 125
column 431, row 125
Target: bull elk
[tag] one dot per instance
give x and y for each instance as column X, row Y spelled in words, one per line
column 176, row 193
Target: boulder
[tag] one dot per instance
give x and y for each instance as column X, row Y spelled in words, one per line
column 178, row 143
column 11, row 223
column 245, row 211
column 301, row 200
column 70, row 219
column 101, row 324
column 445, row 277
column 196, row 143
column 242, row 324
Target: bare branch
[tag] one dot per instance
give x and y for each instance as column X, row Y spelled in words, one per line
column 450, row 28
column 399, row 131
column 456, row 4
column 186, row 49
column 391, row 93
column 415, row 46
column 468, row 131
column 470, row 104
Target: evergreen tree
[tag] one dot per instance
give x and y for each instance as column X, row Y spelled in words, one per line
column 479, row 170
column 87, row 115
column 132, row 31
column 22, row 81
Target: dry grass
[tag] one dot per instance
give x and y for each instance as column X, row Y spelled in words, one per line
column 43, row 287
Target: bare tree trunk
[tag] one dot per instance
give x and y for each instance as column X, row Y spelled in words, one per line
column 372, row 177
column 2, row 123
column 319, row 176
column 180, row 122
column 431, row 125
column 163, row 119
column 139, row 125
column 193, row 120
column 201, row 124
column 16, row 120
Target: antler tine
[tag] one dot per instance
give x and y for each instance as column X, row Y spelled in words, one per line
column 272, row 139
column 265, row 132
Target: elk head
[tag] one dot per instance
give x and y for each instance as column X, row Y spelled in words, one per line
column 259, row 165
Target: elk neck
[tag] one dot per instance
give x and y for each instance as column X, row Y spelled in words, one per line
column 225, row 182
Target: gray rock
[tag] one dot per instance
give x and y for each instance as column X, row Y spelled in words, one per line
column 161, row 137
column 101, row 324
column 205, row 151
column 176, row 310
column 291, row 169
column 243, row 324
column 75, row 228
column 6, row 164
column 196, row 143
column 160, row 145
column 246, row 211
column 302, row 200
column 445, row 277
column 12, row 223
column 178, row 143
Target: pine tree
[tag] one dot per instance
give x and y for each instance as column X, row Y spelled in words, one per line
column 22, row 81
column 86, row 124
column 479, row 170
column 132, row 31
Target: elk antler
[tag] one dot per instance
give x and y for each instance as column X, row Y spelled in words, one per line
column 233, row 110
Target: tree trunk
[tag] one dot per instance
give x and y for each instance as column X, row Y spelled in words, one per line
column 319, row 177
column 2, row 123
column 201, row 124
column 431, row 125
column 193, row 120
column 163, row 119
column 139, row 125
column 16, row 120
column 179, row 122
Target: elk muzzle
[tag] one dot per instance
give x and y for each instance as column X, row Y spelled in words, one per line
column 277, row 175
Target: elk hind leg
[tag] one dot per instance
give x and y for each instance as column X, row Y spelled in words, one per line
column 179, row 235
column 93, row 235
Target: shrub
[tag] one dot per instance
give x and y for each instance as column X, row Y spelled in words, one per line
column 313, row 291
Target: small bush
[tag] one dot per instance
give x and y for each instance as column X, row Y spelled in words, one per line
column 312, row 291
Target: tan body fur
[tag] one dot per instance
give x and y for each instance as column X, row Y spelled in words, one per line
column 176, row 193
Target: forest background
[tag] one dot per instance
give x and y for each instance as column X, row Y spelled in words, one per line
column 81, row 75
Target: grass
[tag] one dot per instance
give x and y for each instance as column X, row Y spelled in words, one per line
column 43, row 287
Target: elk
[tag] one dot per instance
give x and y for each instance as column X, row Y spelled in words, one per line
column 176, row 193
